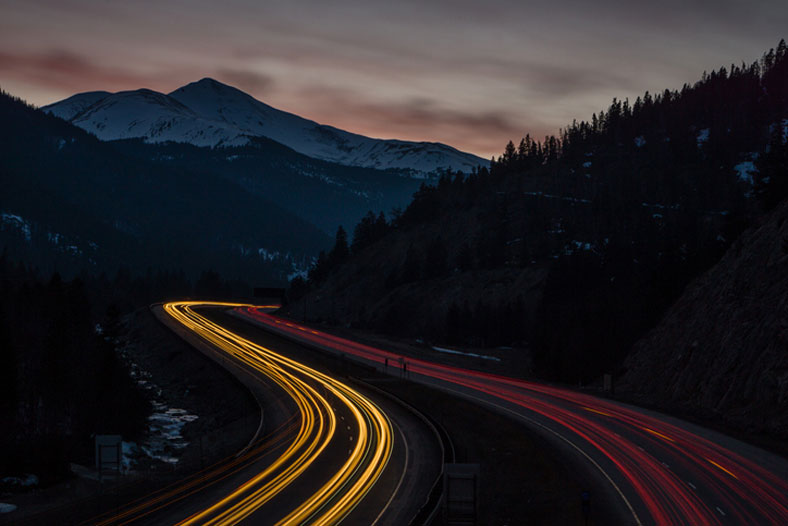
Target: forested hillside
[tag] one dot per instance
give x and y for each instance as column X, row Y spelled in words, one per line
column 570, row 248
column 72, row 203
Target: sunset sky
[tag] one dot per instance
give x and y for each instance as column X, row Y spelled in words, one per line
column 468, row 73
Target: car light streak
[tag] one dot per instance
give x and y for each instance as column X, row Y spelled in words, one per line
column 160, row 499
column 313, row 394
column 749, row 492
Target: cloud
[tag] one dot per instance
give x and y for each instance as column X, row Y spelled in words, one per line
column 253, row 83
column 563, row 80
column 65, row 70
column 479, row 130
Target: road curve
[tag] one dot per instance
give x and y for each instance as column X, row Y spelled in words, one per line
column 316, row 395
column 663, row 470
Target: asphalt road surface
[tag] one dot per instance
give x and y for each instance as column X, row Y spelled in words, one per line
column 657, row 469
column 331, row 454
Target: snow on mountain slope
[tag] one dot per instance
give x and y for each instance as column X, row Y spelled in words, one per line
column 68, row 108
column 155, row 116
column 209, row 113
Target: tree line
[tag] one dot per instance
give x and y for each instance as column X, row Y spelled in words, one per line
column 623, row 211
column 61, row 376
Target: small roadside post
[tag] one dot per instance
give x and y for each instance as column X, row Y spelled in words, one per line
column 585, row 504
column 607, row 383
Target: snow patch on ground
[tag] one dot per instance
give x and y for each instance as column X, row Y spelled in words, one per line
column 164, row 439
column 564, row 198
column 660, row 206
column 745, row 171
column 164, row 432
column 17, row 222
column 575, row 246
column 469, row 354
column 27, row 481
column 129, row 451
column 298, row 273
column 703, row 137
column 6, row 508
column 640, row 141
column 266, row 255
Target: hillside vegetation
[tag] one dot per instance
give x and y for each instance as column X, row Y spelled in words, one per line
column 571, row 248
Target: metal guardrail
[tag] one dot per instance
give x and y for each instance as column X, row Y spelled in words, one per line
column 435, row 497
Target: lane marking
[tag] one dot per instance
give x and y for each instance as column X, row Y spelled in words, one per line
column 557, row 434
column 691, row 485
column 401, row 477
column 374, row 423
column 721, row 512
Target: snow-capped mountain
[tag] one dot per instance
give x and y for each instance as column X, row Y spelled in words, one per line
column 209, row 113
column 68, row 108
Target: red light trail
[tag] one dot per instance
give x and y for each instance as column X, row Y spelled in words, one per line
column 666, row 471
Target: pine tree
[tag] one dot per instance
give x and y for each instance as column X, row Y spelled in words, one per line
column 435, row 260
column 364, row 233
column 411, row 268
column 8, row 374
column 319, row 271
column 771, row 183
column 464, row 260
column 509, row 154
column 340, row 251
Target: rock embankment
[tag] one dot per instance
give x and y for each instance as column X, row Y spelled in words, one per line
column 722, row 349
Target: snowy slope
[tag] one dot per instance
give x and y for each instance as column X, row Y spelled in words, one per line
column 209, row 113
column 158, row 117
column 68, row 108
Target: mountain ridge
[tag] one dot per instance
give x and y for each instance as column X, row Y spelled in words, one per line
column 208, row 113
column 72, row 202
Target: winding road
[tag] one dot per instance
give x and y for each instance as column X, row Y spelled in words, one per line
column 657, row 469
column 314, row 468
column 315, row 394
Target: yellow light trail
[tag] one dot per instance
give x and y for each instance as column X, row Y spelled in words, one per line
column 340, row 494
column 722, row 468
column 660, row 435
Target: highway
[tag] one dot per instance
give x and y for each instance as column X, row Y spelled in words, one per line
column 330, row 456
column 655, row 468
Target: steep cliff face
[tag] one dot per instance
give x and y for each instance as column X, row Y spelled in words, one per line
column 723, row 347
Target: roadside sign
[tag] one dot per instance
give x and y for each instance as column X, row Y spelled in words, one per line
column 109, row 454
column 461, row 490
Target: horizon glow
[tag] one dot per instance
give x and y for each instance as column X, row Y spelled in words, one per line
column 467, row 75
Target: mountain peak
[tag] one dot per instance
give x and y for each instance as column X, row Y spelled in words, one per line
column 207, row 112
column 210, row 85
column 208, row 80
column 74, row 105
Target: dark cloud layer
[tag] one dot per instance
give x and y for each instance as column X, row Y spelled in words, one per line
column 472, row 74
column 247, row 81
